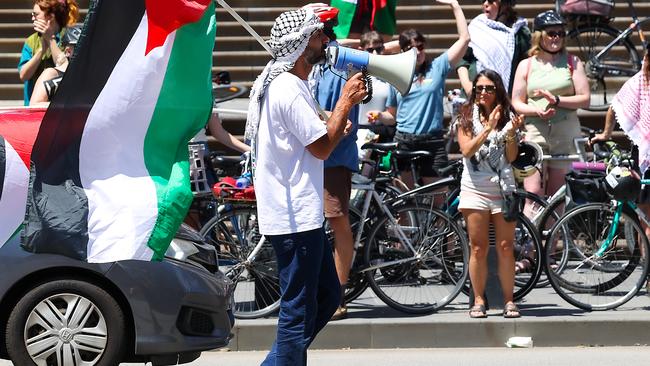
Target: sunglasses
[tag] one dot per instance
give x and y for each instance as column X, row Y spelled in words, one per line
column 379, row 49
column 488, row 1
column 553, row 34
column 490, row 89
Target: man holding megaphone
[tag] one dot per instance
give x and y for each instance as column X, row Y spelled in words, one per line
column 290, row 141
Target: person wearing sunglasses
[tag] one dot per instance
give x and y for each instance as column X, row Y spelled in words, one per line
column 500, row 39
column 419, row 114
column 42, row 49
column 548, row 88
column 488, row 138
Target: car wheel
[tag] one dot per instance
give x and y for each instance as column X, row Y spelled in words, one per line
column 66, row 323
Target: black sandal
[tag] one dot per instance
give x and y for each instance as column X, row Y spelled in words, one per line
column 511, row 311
column 477, row 311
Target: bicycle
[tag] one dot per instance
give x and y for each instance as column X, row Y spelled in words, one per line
column 246, row 258
column 605, row 259
column 230, row 225
column 609, row 54
column 413, row 256
column 527, row 243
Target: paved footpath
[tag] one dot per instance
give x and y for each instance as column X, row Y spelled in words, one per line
column 600, row 356
column 548, row 319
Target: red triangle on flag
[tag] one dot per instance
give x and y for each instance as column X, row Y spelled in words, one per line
column 19, row 127
column 165, row 16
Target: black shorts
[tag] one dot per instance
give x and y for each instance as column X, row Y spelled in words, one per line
column 434, row 143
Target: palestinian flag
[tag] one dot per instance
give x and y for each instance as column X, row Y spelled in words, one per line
column 18, row 129
column 110, row 173
column 380, row 13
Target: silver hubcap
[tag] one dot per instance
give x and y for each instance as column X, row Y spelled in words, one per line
column 65, row 330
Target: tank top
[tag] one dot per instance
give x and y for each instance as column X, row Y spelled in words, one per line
column 557, row 79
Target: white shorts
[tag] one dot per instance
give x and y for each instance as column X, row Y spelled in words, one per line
column 476, row 201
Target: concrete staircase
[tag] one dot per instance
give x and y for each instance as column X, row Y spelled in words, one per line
column 237, row 52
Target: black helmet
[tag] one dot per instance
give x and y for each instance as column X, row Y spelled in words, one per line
column 547, row 19
column 71, row 36
column 623, row 184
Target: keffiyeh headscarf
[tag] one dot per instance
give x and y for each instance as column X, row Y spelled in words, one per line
column 289, row 38
column 493, row 44
column 632, row 107
column 493, row 152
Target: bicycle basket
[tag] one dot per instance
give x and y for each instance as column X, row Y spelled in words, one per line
column 585, row 187
column 198, row 173
column 600, row 8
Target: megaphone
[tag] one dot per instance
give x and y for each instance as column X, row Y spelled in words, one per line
column 396, row 70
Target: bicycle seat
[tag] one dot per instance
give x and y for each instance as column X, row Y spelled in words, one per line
column 411, row 154
column 451, row 169
column 226, row 161
column 380, row 146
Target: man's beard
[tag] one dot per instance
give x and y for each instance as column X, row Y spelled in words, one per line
column 317, row 58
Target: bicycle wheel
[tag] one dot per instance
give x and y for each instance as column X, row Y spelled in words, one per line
column 608, row 72
column 528, row 257
column 235, row 234
column 427, row 279
column 357, row 283
column 544, row 214
column 588, row 281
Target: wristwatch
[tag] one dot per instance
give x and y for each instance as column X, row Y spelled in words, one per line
column 557, row 100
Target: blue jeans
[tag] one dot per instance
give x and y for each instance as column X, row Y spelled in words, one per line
column 310, row 294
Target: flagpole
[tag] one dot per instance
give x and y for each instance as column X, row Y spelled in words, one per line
column 245, row 25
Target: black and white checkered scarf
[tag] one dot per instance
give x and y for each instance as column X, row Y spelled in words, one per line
column 289, row 38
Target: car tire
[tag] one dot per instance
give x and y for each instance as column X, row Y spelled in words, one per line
column 66, row 323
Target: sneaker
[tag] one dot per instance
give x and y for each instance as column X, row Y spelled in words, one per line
column 340, row 313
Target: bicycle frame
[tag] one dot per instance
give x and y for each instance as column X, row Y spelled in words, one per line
column 370, row 188
column 619, row 208
column 634, row 26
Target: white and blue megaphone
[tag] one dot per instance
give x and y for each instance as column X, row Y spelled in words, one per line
column 396, row 70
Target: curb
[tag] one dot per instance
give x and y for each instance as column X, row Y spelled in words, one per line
column 546, row 318
column 378, row 334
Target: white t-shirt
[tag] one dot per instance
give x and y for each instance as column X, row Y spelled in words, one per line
column 288, row 178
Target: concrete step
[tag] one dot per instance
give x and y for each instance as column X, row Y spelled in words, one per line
column 11, row 91
column 17, row 15
column 545, row 317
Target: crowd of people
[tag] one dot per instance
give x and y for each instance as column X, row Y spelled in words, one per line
column 519, row 85
column 305, row 124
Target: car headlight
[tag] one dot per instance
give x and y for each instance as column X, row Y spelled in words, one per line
column 181, row 249
column 198, row 254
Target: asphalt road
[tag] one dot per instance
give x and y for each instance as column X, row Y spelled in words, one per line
column 592, row 356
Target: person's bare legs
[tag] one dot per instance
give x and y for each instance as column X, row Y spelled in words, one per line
column 343, row 246
column 505, row 234
column 478, row 224
column 556, row 177
column 533, row 184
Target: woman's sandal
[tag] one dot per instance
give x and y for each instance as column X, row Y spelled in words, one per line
column 478, row 311
column 511, row 311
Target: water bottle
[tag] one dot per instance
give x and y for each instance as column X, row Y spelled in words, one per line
column 243, row 181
